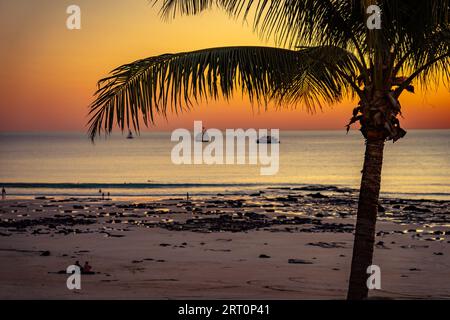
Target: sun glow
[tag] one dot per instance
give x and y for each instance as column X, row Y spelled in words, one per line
column 49, row 73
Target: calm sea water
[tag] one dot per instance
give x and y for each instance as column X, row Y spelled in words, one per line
column 69, row 164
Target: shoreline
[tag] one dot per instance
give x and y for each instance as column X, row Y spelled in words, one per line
column 165, row 194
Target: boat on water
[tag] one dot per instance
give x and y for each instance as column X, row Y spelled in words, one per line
column 267, row 140
column 130, row 135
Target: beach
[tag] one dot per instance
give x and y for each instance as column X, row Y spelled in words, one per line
column 225, row 150
column 277, row 243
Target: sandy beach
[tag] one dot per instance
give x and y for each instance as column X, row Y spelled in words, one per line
column 289, row 243
column 225, row 150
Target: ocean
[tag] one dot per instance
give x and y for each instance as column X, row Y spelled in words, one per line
column 68, row 164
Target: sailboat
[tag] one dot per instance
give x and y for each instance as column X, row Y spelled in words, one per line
column 203, row 137
column 130, row 135
column 267, row 140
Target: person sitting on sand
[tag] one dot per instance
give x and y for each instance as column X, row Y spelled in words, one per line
column 3, row 193
column 87, row 269
column 78, row 265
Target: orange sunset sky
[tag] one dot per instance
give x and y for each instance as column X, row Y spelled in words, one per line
column 48, row 73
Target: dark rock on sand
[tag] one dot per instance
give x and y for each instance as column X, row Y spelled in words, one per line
column 264, row 256
column 332, row 227
column 416, row 209
column 65, row 221
column 380, row 245
column 318, row 195
column 110, row 235
column 255, row 216
column 317, row 188
column 164, row 245
column 327, row 245
column 299, row 261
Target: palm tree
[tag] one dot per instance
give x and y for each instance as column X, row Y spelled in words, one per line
column 326, row 52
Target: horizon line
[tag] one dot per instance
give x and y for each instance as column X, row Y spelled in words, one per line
column 170, row 130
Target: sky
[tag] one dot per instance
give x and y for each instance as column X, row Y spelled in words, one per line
column 48, row 73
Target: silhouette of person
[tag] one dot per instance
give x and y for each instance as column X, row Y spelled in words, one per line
column 87, row 268
column 3, row 193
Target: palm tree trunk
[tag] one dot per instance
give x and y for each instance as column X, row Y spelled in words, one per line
column 366, row 217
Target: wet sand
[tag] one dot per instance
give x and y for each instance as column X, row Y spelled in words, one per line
column 275, row 244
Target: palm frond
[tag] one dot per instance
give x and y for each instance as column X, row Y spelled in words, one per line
column 173, row 82
column 337, row 55
column 291, row 22
column 330, row 74
column 407, row 26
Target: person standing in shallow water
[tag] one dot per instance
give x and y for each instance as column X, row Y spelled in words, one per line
column 3, row 193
